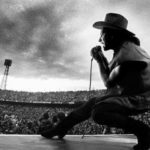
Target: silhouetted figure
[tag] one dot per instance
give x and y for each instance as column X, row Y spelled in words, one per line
column 127, row 78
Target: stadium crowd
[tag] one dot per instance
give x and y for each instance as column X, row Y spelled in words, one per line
column 21, row 119
column 69, row 96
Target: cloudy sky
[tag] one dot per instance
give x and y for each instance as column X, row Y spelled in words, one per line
column 49, row 41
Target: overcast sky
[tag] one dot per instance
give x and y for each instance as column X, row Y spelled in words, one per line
column 49, row 41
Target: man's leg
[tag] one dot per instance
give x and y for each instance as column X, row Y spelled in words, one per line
column 115, row 115
column 78, row 115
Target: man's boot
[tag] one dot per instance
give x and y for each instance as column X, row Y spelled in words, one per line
column 138, row 128
column 80, row 114
column 66, row 124
column 142, row 131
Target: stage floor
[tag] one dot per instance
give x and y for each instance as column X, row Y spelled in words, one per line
column 70, row 142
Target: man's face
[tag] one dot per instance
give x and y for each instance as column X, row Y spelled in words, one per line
column 106, row 39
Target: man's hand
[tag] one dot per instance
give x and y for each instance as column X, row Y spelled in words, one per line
column 97, row 53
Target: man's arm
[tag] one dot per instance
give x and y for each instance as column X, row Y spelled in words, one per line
column 104, row 69
column 127, row 67
column 98, row 55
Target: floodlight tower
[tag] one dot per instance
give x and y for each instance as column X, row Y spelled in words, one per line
column 7, row 64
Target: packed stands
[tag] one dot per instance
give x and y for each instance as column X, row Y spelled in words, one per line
column 20, row 111
column 70, row 96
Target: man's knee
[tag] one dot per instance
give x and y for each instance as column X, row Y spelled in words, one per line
column 85, row 109
column 101, row 111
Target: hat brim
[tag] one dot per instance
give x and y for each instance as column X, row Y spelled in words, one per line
column 102, row 24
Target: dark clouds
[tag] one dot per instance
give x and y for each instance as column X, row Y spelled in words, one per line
column 37, row 42
column 43, row 38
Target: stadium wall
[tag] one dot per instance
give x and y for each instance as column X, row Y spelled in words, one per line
column 44, row 104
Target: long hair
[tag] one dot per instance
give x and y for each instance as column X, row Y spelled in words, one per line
column 116, row 38
column 124, row 36
column 133, row 39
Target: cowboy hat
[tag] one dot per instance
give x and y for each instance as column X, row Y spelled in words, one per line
column 113, row 21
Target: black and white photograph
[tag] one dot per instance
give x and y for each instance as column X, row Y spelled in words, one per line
column 74, row 74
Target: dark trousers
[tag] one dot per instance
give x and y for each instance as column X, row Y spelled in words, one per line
column 113, row 111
